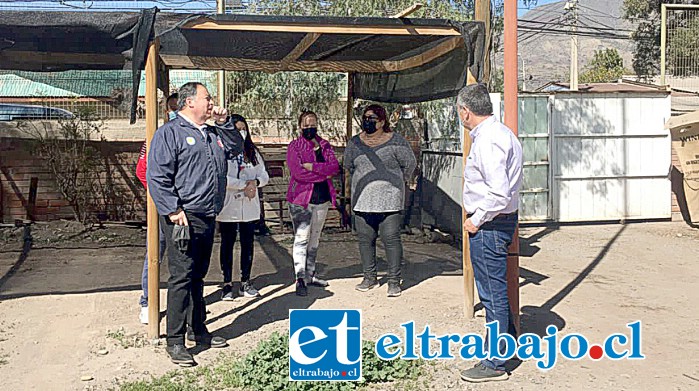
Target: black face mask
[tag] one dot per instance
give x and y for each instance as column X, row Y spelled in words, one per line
column 309, row 133
column 369, row 126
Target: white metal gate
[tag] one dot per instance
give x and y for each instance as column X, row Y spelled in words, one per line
column 534, row 195
column 610, row 156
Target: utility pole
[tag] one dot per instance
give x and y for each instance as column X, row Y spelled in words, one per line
column 511, row 121
column 482, row 14
column 572, row 7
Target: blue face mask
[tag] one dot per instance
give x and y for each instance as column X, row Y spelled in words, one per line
column 171, row 115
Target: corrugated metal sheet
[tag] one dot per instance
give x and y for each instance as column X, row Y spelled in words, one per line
column 13, row 86
column 611, row 156
column 87, row 83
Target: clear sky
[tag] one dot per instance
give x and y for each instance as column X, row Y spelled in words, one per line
column 522, row 9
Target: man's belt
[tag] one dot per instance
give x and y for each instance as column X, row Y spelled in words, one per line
column 501, row 216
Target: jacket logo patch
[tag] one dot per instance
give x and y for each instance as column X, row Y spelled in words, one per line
column 191, row 141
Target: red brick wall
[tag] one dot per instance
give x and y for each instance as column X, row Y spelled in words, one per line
column 18, row 164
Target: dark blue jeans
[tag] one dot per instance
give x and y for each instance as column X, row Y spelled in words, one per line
column 144, row 274
column 489, row 258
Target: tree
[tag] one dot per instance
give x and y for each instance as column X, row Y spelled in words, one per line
column 282, row 96
column 72, row 159
column 606, row 66
column 646, row 13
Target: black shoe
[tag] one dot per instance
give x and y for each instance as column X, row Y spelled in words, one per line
column 227, row 294
column 366, row 284
column 180, row 356
column 301, row 289
column 481, row 374
column 393, row 289
column 190, row 334
column 212, row 341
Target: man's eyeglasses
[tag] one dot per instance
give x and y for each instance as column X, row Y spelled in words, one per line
column 371, row 118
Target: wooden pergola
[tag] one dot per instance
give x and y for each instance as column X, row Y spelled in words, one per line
column 396, row 59
column 309, row 44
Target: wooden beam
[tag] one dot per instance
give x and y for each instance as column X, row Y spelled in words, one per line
column 425, row 57
column 301, row 48
column 152, row 213
column 242, row 64
column 470, row 79
column 408, row 11
column 323, row 29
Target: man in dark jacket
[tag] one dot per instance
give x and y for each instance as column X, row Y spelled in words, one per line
column 187, row 180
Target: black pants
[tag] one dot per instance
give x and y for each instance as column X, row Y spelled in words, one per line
column 369, row 226
column 185, row 286
column 228, row 233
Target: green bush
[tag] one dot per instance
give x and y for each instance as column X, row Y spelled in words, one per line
column 266, row 368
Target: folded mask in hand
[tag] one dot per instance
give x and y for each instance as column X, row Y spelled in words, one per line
column 180, row 236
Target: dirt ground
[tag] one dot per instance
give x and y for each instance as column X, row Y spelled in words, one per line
column 73, row 294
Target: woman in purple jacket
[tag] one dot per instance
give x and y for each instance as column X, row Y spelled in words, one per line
column 312, row 164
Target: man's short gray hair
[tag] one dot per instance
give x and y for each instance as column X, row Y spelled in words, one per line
column 476, row 98
column 188, row 90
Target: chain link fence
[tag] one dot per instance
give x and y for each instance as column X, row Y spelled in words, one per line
column 681, row 50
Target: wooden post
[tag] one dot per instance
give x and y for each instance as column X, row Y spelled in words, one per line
column 348, row 136
column 166, row 91
column 469, row 282
column 221, row 9
column 31, row 202
column 483, row 15
column 469, row 288
column 511, row 120
column 152, row 218
column 350, row 105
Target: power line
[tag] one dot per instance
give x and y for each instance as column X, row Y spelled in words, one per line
column 608, row 28
column 534, row 34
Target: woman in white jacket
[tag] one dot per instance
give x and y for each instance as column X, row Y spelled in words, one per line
column 241, row 211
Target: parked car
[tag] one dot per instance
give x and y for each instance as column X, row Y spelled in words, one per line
column 13, row 112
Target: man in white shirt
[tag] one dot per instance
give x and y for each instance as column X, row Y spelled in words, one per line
column 492, row 178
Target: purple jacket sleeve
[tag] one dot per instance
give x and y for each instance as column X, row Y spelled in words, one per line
column 293, row 161
column 330, row 167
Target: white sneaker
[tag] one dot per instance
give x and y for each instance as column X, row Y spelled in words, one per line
column 248, row 290
column 315, row 281
column 143, row 316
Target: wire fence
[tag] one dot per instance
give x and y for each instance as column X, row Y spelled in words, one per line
column 682, row 57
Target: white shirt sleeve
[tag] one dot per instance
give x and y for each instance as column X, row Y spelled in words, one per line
column 493, row 165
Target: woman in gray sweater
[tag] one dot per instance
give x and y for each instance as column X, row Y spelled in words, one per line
column 380, row 162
